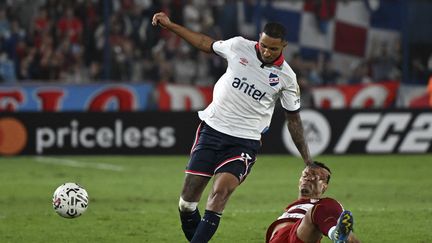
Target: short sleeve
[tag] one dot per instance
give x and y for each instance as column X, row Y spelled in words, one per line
column 225, row 47
column 290, row 97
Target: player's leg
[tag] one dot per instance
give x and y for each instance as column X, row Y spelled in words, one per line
column 341, row 232
column 283, row 232
column 323, row 219
column 308, row 231
column 228, row 176
column 198, row 173
column 234, row 158
column 190, row 217
column 223, row 186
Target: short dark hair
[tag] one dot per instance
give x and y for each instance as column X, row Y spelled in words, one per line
column 275, row 30
column 322, row 165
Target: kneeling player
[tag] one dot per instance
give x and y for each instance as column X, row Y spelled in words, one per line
column 310, row 217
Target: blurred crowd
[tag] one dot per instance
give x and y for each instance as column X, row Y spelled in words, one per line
column 66, row 41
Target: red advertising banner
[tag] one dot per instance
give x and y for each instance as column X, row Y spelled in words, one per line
column 175, row 97
column 372, row 95
column 413, row 96
column 75, row 97
column 178, row 97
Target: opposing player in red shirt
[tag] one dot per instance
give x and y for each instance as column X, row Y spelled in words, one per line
column 311, row 216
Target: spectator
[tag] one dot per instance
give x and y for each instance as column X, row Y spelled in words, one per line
column 203, row 75
column 359, row 75
column 7, row 69
column 192, row 17
column 13, row 41
column 70, row 26
column 185, row 67
column 41, row 26
column 418, row 70
column 328, row 74
column 228, row 19
column 4, row 22
column 384, row 65
column 48, row 61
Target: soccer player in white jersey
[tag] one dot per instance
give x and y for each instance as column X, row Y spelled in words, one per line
column 311, row 216
column 228, row 137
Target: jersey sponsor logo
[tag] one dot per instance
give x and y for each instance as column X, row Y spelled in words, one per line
column 287, row 215
column 273, row 79
column 248, row 89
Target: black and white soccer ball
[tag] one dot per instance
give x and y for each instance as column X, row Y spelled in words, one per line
column 70, row 200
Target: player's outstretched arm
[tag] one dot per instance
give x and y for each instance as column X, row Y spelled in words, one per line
column 198, row 40
column 295, row 128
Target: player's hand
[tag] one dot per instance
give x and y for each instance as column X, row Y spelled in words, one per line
column 161, row 19
column 310, row 163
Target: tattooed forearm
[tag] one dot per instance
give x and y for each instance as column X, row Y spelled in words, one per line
column 295, row 128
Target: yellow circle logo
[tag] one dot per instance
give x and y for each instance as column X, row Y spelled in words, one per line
column 13, row 136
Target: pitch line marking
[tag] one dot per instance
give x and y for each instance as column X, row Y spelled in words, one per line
column 77, row 164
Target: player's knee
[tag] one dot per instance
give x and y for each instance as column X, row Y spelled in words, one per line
column 185, row 206
column 326, row 213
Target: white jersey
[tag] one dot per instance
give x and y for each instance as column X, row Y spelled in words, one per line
column 244, row 97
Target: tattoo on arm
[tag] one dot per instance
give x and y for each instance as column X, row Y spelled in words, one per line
column 295, row 128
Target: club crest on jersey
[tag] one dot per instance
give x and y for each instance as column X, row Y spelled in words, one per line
column 273, row 79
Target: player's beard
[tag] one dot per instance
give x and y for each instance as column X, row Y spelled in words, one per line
column 305, row 192
column 267, row 61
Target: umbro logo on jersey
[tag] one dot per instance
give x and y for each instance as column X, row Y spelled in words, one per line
column 273, row 79
column 243, row 61
column 248, row 89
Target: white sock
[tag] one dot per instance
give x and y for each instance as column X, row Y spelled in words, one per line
column 331, row 232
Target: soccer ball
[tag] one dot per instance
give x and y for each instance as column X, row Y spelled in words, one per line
column 70, row 200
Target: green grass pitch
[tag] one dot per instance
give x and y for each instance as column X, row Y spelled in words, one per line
column 134, row 199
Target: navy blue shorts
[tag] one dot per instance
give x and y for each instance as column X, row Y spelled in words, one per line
column 215, row 152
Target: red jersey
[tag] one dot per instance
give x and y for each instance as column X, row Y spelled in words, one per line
column 298, row 209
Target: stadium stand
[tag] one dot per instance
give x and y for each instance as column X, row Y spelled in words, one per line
column 67, row 41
